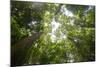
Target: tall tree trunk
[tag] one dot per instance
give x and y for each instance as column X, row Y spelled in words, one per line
column 20, row 49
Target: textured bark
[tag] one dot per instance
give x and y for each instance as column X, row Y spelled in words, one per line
column 20, row 49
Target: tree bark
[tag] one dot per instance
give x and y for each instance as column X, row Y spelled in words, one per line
column 20, row 49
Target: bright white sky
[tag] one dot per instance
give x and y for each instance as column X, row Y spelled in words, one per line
column 55, row 25
column 66, row 12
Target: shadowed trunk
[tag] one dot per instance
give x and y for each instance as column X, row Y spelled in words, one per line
column 20, row 49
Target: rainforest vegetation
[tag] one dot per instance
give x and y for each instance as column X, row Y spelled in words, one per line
column 51, row 33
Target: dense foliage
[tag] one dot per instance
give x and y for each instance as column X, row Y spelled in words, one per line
column 68, row 31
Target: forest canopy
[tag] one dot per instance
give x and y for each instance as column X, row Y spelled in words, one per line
column 68, row 32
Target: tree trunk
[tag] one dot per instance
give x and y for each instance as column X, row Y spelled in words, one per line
column 20, row 49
